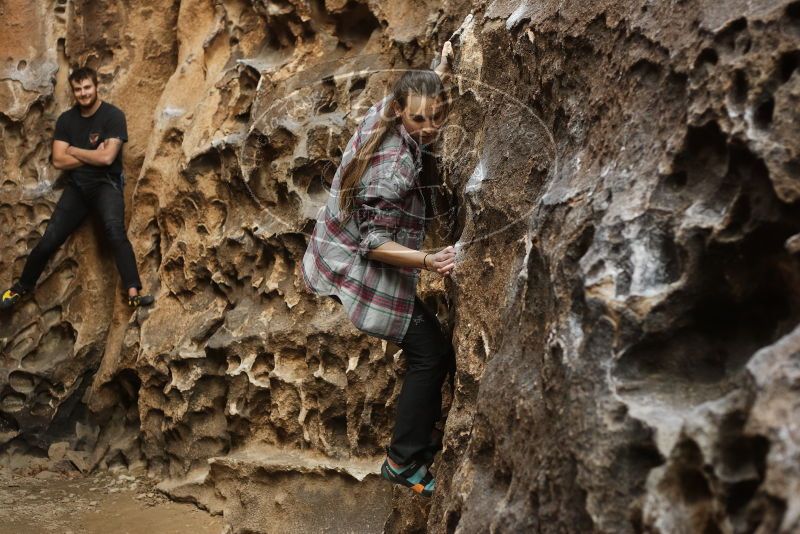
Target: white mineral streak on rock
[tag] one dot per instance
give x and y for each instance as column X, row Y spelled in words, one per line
column 470, row 60
column 517, row 16
column 172, row 112
column 522, row 275
column 42, row 188
column 561, row 189
column 477, row 177
column 648, row 262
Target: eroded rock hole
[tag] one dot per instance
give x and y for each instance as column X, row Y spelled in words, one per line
column 502, row 476
column 203, row 165
column 354, row 24
column 560, row 122
column 356, row 86
column 739, row 216
column 262, row 366
column 42, row 405
column 318, row 188
column 327, row 96
column 708, row 56
column 739, row 87
column 12, row 402
column 793, row 12
column 206, row 447
column 646, row 71
column 8, row 428
column 676, row 180
column 333, row 362
column 740, row 494
column 738, row 452
column 54, row 347
column 739, row 455
column 737, row 298
column 277, row 195
column 380, row 416
column 127, row 387
column 437, row 303
column 698, row 168
column 453, row 518
column 637, row 460
column 22, row 382
column 705, row 153
column 693, row 485
column 734, row 36
column 686, row 478
column 762, row 115
column 723, row 332
column 580, row 246
column 337, row 427
column 282, row 34
column 788, row 63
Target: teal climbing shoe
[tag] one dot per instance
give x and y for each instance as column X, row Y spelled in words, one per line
column 414, row 475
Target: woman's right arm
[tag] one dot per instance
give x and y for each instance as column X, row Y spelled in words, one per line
column 380, row 211
column 396, row 254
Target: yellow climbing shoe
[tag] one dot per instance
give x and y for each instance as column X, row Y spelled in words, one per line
column 10, row 297
column 141, row 300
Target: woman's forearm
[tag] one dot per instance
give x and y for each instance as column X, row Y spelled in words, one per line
column 396, row 254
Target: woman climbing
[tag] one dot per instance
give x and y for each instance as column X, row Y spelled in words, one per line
column 365, row 253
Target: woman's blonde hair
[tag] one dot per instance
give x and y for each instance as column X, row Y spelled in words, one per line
column 417, row 82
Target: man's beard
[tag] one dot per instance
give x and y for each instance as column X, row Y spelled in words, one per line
column 90, row 104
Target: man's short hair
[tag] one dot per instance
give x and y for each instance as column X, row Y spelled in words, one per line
column 83, row 73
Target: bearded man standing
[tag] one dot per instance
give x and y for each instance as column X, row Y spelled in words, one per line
column 87, row 144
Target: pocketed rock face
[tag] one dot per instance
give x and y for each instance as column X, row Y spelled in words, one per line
column 604, row 383
column 53, row 342
column 624, row 182
column 237, row 113
column 236, row 352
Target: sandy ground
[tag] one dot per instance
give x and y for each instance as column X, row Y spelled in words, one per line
column 104, row 503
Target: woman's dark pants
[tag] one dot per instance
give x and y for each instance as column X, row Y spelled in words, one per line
column 102, row 196
column 429, row 356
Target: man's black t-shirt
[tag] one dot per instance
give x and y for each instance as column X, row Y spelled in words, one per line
column 88, row 132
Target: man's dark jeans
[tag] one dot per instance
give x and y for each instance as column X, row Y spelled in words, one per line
column 429, row 356
column 101, row 195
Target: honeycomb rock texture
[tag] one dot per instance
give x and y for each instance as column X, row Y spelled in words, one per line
column 621, row 181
